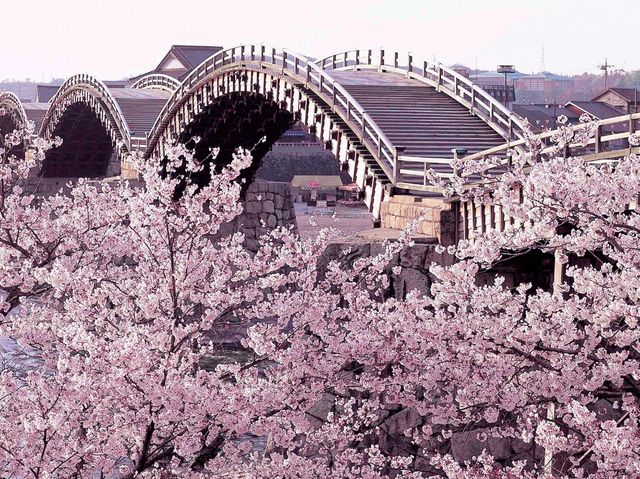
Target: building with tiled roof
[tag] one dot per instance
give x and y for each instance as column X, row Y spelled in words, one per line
column 181, row 59
column 624, row 99
column 597, row 109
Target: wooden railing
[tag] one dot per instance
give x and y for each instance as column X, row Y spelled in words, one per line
column 610, row 141
column 406, row 172
column 101, row 92
column 444, row 79
column 157, row 81
column 301, row 69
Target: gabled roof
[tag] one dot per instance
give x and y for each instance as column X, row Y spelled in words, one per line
column 597, row 109
column 44, row 93
column 181, row 59
column 629, row 94
column 194, row 55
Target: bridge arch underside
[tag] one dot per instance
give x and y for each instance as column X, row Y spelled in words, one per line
column 268, row 87
column 87, row 149
column 246, row 119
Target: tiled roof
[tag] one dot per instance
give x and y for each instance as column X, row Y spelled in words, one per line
column 189, row 55
column 44, row 93
column 542, row 116
column 140, row 107
column 36, row 112
column 194, row 55
column 598, row 109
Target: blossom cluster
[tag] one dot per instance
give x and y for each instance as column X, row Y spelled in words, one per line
column 123, row 296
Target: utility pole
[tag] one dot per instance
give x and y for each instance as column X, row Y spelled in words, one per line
column 605, row 67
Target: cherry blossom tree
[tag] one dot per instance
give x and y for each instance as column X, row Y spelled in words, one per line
column 124, row 294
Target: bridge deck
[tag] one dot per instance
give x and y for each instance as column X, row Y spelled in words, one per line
column 427, row 123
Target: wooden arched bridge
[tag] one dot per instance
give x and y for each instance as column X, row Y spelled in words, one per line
column 387, row 118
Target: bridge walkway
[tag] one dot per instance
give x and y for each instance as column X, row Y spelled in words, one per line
column 419, row 120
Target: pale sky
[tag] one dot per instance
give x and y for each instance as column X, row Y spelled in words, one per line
column 114, row 39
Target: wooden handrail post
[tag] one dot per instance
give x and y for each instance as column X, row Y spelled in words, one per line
column 395, row 59
column 381, row 56
column 424, row 68
column 439, row 78
column 242, row 53
column 262, row 48
column 397, row 151
column 597, row 138
column 473, row 99
column 357, row 59
column 333, row 62
column 253, row 53
column 369, row 57
column 409, row 64
column 309, row 74
column 345, row 59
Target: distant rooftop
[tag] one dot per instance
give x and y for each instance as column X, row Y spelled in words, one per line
column 629, row 94
column 597, row 109
column 181, row 59
column 541, row 116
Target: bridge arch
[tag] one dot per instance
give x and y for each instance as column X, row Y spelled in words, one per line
column 87, row 117
column 157, row 81
column 300, row 88
column 14, row 115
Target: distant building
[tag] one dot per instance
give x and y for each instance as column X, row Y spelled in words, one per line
column 44, row 93
column 597, row 109
column 543, row 116
column 493, row 83
column 544, row 87
column 461, row 69
column 181, row 59
column 624, row 99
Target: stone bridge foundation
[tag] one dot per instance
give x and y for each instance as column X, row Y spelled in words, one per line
column 438, row 216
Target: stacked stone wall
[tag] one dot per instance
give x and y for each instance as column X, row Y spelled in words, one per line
column 267, row 205
column 399, row 211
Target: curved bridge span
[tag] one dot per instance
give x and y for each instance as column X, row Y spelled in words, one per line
column 386, row 124
column 387, row 118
